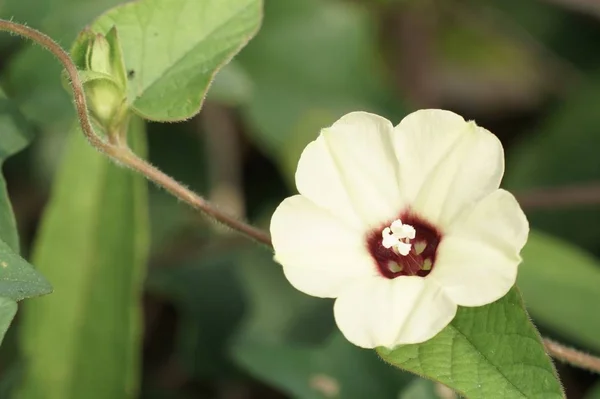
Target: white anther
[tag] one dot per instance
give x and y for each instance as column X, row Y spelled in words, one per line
column 398, row 237
column 389, row 240
column 403, row 248
column 403, row 230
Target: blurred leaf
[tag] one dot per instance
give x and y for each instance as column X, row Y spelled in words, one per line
column 84, row 341
column 10, row 378
column 175, row 47
column 483, row 351
column 562, row 152
column 33, row 76
column 8, row 309
column 593, row 393
column 207, row 294
column 288, row 340
column 336, row 369
column 311, row 62
column 480, row 50
column 419, row 389
column 278, row 312
column 549, row 27
column 14, row 136
column 232, row 85
column 559, row 282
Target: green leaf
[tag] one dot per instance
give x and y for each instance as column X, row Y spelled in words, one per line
column 336, row 369
column 174, row 48
column 8, row 309
column 559, row 282
column 18, row 279
column 14, row 136
column 84, row 341
column 488, row 351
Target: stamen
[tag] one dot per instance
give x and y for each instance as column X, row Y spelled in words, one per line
column 389, row 240
column 403, row 248
column 403, row 230
column 398, row 236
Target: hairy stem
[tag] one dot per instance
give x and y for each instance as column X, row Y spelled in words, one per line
column 118, row 152
column 572, row 356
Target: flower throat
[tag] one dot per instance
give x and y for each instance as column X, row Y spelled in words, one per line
column 405, row 247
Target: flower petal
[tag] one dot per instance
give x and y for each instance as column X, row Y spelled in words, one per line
column 381, row 312
column 478, row 259
column 351, row 170
column 320, row 254
column 446, row 163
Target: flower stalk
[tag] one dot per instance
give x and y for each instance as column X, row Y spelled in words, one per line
column 121, row 154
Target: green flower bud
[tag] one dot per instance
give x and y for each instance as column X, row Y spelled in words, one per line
column 99, row 55
column 102, row 70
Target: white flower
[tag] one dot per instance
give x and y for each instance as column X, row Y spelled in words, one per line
column 400, row 224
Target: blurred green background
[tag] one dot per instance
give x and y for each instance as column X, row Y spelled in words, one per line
column 219, row 318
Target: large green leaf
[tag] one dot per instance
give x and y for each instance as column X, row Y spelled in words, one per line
column 174, row 48
column 486, row 352
column 14, row 136
column 18, row 279
column 336, row 369
column 559, row 282
column 84, row 341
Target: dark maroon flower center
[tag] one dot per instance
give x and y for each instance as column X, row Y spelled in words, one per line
column 421, row 258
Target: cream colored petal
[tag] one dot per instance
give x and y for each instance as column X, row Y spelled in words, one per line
column 351, row 170
column 382, row 312
column 446, row 163
column 478, row 259
column 320, row 253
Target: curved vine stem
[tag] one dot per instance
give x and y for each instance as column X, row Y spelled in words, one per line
column 117, row 151
column 121, row 153
column 572, row 356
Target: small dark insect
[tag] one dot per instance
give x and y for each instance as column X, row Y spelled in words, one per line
column 131, row 74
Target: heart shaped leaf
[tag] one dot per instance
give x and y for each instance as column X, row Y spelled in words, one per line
column 486, row 352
